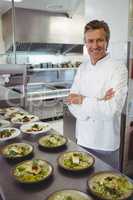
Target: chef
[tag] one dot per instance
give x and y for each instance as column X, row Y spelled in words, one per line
column 97, row 96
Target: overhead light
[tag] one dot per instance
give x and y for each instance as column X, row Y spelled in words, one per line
column 17, row 1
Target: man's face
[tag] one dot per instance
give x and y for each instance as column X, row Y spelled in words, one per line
column 96, row 44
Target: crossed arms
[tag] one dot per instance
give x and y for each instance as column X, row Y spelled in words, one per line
column 74, row 98
column 84, row 107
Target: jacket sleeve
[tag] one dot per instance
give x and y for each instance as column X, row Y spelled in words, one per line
column 101, row 109
column 76, row 83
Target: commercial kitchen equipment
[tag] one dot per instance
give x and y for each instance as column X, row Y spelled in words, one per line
column 9, row 97
column 44, row 89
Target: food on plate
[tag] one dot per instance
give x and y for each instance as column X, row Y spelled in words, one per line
column 14, row 114
column 69, row 194
column 8, row 110
column 52, row 140
column 75, row 160
column 110, row 186
column 8, row 133
column 24, row 119
column 32, row 171
column 2, row 110
column 35, row 127
column 17, row 150
column 12, row 109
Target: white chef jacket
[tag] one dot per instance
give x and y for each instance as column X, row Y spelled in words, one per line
column 98, row 121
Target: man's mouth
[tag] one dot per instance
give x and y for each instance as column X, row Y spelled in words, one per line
column 95, row 51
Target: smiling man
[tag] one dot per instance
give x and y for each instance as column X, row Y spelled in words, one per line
column 97, row 96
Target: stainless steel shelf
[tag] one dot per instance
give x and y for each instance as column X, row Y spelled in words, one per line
column 51, row 94
column 50, row 69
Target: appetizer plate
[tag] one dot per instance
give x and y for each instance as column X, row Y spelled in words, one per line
column 12, row 109
column 35, row 128
column 24, row 119
column 9, row 110
column 69, row 195
column 17, row 150
column 10, row 115
column 4, row 123
column 8, row 133
column 2, row 111
column 110, row 185
column 32, row 171
column 75, row 161
column 2, row 116
column 52, row 141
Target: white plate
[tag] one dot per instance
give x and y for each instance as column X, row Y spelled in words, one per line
column 14, row 134
column 2, row 117
column 69, row 194
column 19, row 119
column 26, row 128
column 19, row 113
column 12, row 109
column 108, row 181
column 2, row 110
column 4, row 123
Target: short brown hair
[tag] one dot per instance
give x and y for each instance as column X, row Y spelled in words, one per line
column 96, row 24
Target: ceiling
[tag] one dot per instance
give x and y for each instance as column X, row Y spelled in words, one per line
column 60, row 6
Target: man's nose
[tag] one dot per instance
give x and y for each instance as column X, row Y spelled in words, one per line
column 95, row 44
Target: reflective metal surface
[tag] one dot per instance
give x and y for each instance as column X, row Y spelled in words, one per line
column 43, row 31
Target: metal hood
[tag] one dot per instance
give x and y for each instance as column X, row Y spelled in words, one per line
column 43, row 31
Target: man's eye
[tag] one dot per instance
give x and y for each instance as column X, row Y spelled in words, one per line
column 100, row 40
column 89, row 41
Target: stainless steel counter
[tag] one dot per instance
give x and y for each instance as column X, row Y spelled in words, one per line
column 60, row 180
column 69, row 123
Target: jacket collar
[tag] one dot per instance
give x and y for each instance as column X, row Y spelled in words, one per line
column 100, row 61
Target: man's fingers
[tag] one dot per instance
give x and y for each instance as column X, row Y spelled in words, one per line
column 110, row 92
column 107, row 97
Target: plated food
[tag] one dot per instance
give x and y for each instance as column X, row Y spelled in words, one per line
column 24, row 119
column 4, row 123
column 12, row 109
column 32, row 171
column 2, row 111
column 9, row 110
column 10, row 115
column 35, row 128
column 109, row 185
column 69, row 195
column 8, row 133
column 75, row 161
column 17, row 150
column 52, row 141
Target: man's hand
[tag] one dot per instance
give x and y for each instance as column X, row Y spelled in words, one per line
column 78, row 99
column 75, row 99
column 108, row 95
